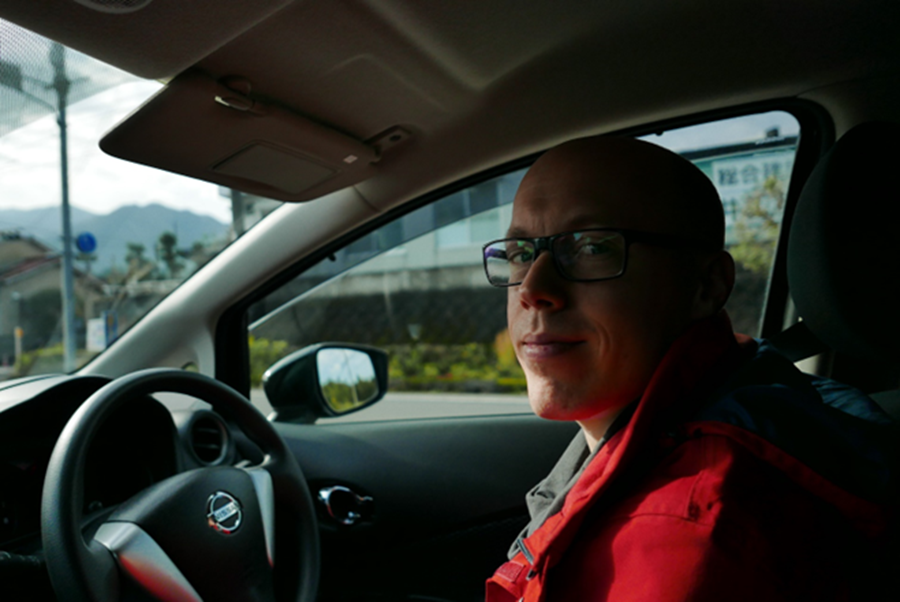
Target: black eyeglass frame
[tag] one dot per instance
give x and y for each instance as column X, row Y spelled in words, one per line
column 545, row 243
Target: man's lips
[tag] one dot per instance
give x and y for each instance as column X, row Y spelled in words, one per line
column 543, row 346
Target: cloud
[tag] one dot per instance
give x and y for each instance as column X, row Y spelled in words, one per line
column 29, row 164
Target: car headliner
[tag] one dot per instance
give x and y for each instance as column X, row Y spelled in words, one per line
column 481, row 83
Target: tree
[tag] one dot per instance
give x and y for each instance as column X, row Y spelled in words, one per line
column 757, row 226
column 138, row 265
column 135, row 254
column 756, row 235
column 169, row 253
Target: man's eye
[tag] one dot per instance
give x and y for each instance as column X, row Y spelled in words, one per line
column 593, row 248
column 519, row 255
column 597, row 248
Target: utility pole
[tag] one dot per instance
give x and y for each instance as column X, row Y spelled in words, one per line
column 11, row 76
column 61, row 84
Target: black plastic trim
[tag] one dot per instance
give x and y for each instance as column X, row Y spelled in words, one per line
column 232, row 349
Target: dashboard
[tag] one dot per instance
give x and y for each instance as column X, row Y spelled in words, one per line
column 417, row 496
column 142, row 443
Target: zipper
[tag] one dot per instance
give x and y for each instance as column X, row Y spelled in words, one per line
column 525, row 551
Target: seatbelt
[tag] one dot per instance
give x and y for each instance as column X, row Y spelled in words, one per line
column 798, row 343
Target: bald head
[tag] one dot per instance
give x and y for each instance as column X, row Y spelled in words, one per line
column 589, row 347
column 642, row 186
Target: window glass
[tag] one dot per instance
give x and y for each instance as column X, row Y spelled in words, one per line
column 136, row 232
column 749, row 159
column 415, row 287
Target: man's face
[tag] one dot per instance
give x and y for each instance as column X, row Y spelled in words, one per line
column 589, row 348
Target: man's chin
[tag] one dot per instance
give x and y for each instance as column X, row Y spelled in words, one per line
column 554, row 401
column 553, row 405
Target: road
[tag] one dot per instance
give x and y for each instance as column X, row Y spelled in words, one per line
column 422, row 405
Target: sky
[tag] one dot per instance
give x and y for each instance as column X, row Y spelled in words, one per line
column 727, row 131
column 29, row 164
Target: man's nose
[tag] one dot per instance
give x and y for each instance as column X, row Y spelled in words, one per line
column 543, row 287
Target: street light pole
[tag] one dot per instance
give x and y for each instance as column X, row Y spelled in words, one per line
column 61, row 85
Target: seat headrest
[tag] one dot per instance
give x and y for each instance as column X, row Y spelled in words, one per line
column 843, row 267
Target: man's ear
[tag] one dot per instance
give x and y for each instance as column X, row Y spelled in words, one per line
column 716, row 279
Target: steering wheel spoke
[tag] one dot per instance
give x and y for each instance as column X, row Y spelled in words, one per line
column 101, row 569
column 265, row 496
column 141, row 558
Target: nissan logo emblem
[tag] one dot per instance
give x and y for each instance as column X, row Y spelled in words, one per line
column 223, row 512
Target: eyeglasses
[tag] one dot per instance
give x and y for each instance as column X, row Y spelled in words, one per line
column 582, row 256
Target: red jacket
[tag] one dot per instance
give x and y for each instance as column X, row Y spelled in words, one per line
column 714, row 508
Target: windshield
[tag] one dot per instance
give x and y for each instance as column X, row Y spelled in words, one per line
column 73, row 280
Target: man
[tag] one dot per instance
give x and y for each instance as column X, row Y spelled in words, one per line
column 679, row 486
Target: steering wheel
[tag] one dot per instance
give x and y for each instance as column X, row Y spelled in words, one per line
column 218, row 533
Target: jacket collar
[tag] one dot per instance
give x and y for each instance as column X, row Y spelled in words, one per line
column 696, row 364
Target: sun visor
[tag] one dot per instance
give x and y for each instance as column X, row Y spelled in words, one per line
column 207, row 130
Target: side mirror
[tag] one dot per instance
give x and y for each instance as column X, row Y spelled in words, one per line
column 328, row 379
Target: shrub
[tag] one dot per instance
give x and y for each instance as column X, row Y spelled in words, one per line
column 470, row 367
column 264, row 353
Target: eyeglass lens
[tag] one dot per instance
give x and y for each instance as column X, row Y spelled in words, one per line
column 588, row 255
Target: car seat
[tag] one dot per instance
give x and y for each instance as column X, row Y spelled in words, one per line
column 842, row 263
column 843, row 273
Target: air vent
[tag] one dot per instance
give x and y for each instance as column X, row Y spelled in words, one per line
column 209, row 439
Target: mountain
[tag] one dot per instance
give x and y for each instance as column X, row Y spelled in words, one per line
column 44, row 224
column 128, row 224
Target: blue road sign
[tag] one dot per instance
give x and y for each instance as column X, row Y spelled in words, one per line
column 85, row 242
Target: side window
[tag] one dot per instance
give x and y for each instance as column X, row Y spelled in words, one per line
column 415, row 287
column 749, row 160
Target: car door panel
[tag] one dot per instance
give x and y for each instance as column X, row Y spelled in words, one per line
column 448, row 499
